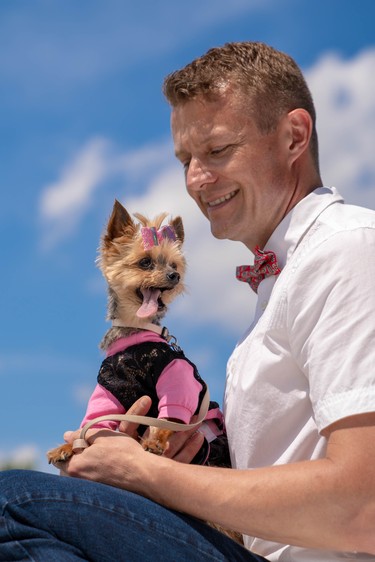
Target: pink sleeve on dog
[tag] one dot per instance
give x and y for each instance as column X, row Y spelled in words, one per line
column 178, row 391
column 102, row 403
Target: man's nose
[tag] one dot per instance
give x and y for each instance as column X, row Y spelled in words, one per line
column 198, row 175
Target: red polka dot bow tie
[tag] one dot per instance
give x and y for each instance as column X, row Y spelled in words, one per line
column 265, row 265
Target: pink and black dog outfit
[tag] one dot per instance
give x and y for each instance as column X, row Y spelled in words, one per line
column 144, row 363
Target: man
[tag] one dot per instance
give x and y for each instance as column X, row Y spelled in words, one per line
column 300, row 392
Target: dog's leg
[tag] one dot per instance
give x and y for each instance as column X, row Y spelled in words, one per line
column 157, row 440
column 60, row 454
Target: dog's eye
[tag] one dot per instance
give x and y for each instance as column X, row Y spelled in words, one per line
column 146, row 263
column 174, row 265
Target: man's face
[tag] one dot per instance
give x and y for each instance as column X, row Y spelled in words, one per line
column 234, row 173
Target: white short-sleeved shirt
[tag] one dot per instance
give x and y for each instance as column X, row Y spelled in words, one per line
column 308, row 359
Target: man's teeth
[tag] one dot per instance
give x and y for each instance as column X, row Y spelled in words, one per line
column 221, row 199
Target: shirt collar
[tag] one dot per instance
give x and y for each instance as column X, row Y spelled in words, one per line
column 288, row 234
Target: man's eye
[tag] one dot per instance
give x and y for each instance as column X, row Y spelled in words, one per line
column 146, row 263
column 218, row 150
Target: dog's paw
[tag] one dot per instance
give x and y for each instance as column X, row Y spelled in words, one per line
column 157, row 441
column 60, row 454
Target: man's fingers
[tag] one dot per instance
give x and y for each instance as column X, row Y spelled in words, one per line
column 184, row 445
column 190, row 449
column 139, row 408
column 69, row 436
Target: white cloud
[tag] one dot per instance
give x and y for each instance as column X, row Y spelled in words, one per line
column 24, row 456
column 64, row 203
column 21, row 456
column 344, row 93
column 78, row 181
column 140, row 164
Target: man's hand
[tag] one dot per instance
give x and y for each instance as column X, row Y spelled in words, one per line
column 139, row 408
column 183, row 445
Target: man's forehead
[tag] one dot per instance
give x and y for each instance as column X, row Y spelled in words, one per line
column 205, row 124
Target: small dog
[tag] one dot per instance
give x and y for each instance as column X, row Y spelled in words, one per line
column 144, row 267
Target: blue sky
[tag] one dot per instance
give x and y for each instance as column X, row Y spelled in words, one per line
column 83, row 121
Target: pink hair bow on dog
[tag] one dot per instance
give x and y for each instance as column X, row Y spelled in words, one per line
column 152, row 237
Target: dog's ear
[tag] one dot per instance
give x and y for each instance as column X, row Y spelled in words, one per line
column 179, row 228
column 120, row 224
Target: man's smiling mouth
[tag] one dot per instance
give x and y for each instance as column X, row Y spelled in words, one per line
column 221, row 199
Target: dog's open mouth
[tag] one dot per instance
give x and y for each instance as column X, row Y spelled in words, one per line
column 151, row 301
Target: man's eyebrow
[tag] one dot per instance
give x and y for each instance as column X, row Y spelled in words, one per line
column 180, row 154
column 212, row 138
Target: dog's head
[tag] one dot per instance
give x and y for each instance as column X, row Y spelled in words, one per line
column 143, row 264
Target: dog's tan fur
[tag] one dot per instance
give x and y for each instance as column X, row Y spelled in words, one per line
column 120, row 254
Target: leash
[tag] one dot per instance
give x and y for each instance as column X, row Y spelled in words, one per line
column 81, row 442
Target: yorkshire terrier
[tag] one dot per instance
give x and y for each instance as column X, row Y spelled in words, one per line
column 144, row 267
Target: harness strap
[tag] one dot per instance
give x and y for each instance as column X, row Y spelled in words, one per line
column 81, row 442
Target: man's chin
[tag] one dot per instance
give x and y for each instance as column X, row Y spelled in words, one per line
column 219, row 233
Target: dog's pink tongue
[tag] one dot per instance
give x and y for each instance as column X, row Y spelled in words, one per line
column 150, row 303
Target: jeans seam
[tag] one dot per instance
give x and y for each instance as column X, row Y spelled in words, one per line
column 26, row 499
column 15, row 541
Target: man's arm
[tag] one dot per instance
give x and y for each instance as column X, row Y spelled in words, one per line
column 327, row 503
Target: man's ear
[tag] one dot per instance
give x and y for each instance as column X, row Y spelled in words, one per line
column 300, row 130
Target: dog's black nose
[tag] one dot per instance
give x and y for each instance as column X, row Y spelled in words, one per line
column 173, row 277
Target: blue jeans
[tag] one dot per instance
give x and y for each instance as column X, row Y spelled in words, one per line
column 48, row 518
